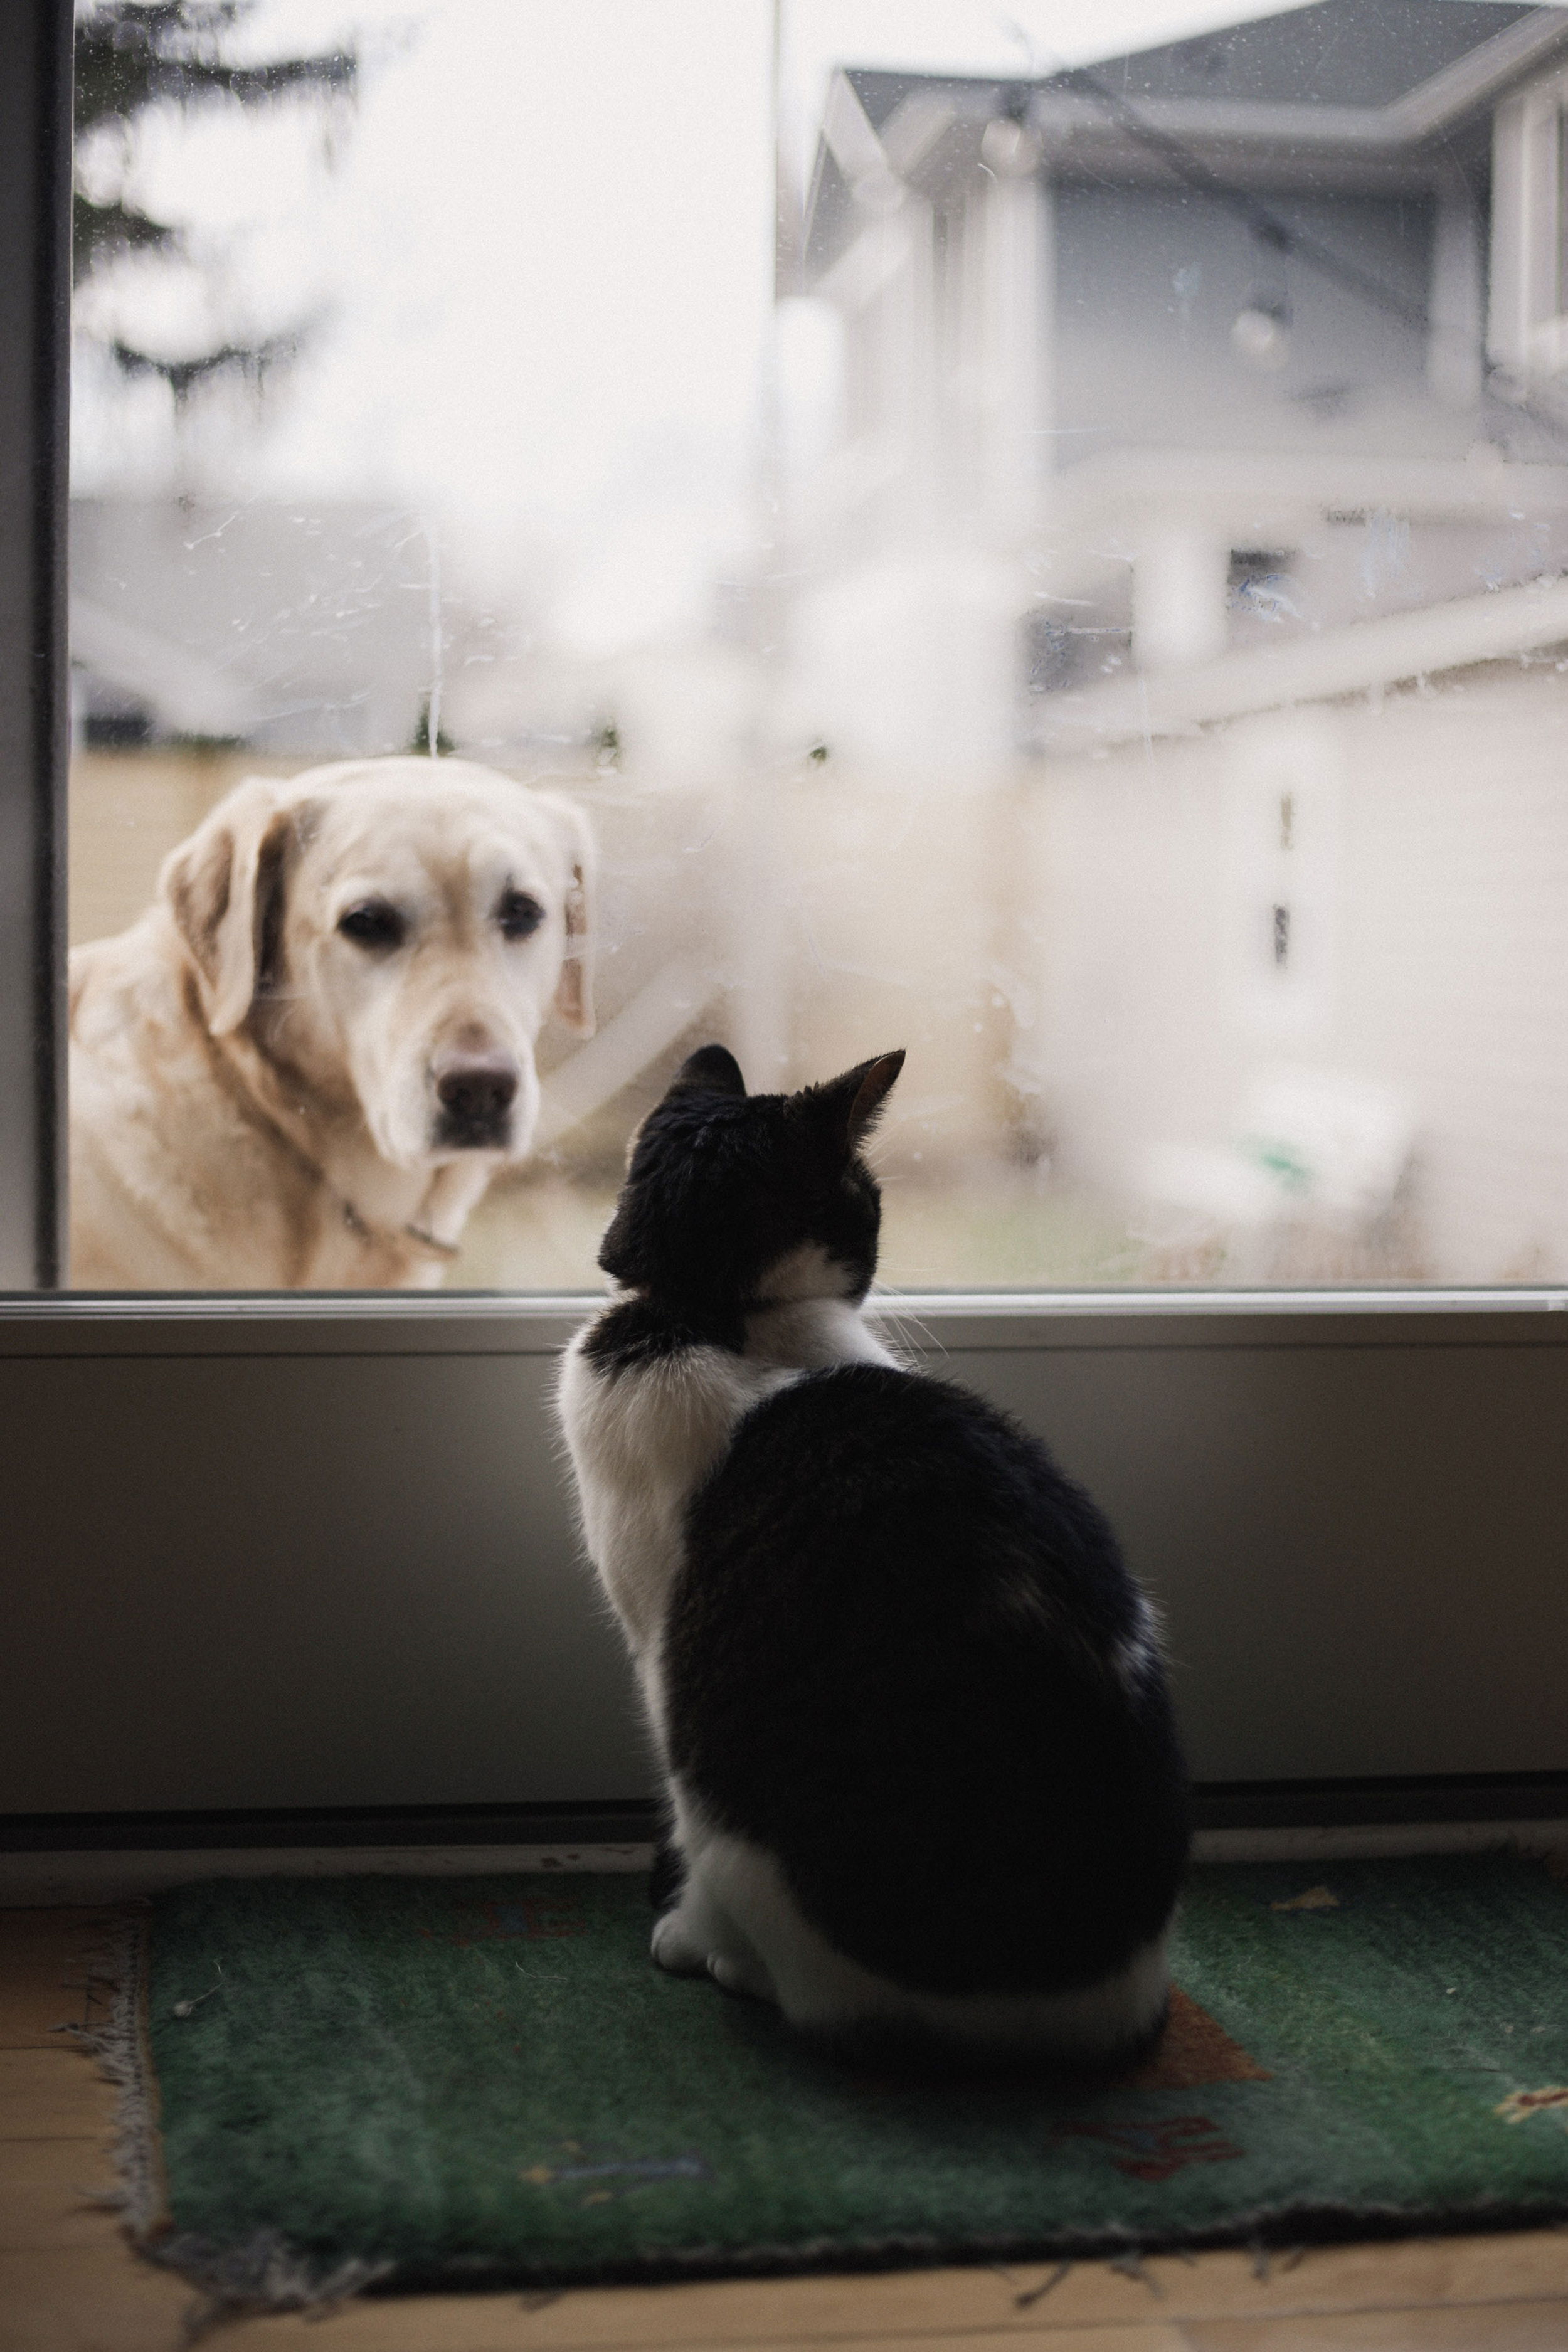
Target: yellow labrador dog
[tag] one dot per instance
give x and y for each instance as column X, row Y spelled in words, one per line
column 303, row 1064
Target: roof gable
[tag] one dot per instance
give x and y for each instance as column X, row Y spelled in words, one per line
column 1360, row 53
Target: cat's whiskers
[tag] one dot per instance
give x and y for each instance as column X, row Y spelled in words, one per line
column 899, row 1327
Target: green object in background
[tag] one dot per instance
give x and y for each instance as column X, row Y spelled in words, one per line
column 486, row 2080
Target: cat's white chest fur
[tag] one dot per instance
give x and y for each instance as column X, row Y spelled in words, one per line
column 643, row 1436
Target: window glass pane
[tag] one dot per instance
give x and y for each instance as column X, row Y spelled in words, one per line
column 1032, row 536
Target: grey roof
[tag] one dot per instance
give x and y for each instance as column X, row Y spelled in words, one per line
column 1372, row 71
column 1333, row 53
column 1340, row 93
column 292, row 625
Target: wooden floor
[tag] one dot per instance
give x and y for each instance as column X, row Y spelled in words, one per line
column 69, row 2283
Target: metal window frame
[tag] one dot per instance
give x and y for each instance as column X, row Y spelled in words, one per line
column 35, row 325
column 126, row 1356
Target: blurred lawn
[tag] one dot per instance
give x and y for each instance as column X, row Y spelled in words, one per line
column 540, row 1231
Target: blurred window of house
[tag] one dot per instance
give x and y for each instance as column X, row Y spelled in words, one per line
column 1037, row 537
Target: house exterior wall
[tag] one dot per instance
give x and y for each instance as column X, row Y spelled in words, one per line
column 1442, row 911
column 1150, row 281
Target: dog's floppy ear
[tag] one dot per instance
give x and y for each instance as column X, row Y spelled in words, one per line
column 574, row 989
column 220, row 886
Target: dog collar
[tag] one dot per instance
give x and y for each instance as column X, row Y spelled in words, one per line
column 363, row 1230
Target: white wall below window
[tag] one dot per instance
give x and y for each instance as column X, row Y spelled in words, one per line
column 274, row 1560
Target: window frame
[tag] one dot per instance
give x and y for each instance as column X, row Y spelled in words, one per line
column 39, row 1320
column 35, row 358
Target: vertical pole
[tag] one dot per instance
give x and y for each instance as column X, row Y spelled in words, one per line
column 762, row 853
column 1179, row 579
column 1455, row 329
column 1014, row 259
column 35, row 325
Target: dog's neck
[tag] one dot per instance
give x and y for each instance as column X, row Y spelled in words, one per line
column 424, row 1211
column 416, row 1213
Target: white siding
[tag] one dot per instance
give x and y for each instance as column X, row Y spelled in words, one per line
column 1446, row 976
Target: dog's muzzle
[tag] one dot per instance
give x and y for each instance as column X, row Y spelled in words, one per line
column 475, row 1095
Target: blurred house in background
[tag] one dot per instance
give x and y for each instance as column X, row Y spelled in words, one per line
column 1194, row 423
column 286, row 628
column 1219, row 344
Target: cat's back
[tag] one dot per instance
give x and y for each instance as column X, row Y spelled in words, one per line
column 865, row 1481
column 903, row 1653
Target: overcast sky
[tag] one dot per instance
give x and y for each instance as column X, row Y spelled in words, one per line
column 540, row 259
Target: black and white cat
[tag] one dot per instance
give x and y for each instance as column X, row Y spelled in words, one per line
column 923, row 1775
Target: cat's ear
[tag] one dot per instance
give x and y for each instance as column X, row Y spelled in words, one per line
column 713, row 1070
column 851, row 1106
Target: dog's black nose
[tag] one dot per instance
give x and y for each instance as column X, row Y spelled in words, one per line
column 475, row 1095
column 476, row 1091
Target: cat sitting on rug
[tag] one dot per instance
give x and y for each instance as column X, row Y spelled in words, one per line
column 922, row 1771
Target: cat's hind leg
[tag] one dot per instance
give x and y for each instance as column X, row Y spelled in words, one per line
column 698, row 1937
column 742, row 1973
column 667, row 1875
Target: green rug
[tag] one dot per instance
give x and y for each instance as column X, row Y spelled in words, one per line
column 419, row 2081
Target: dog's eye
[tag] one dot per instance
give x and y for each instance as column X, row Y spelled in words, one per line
column 518, row 914
column 372, row 924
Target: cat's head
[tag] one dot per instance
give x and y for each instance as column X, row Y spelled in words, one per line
column 733, row 1199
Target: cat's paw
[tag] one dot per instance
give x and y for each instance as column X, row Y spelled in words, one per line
column 748, row 1976
column 673, row 1948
